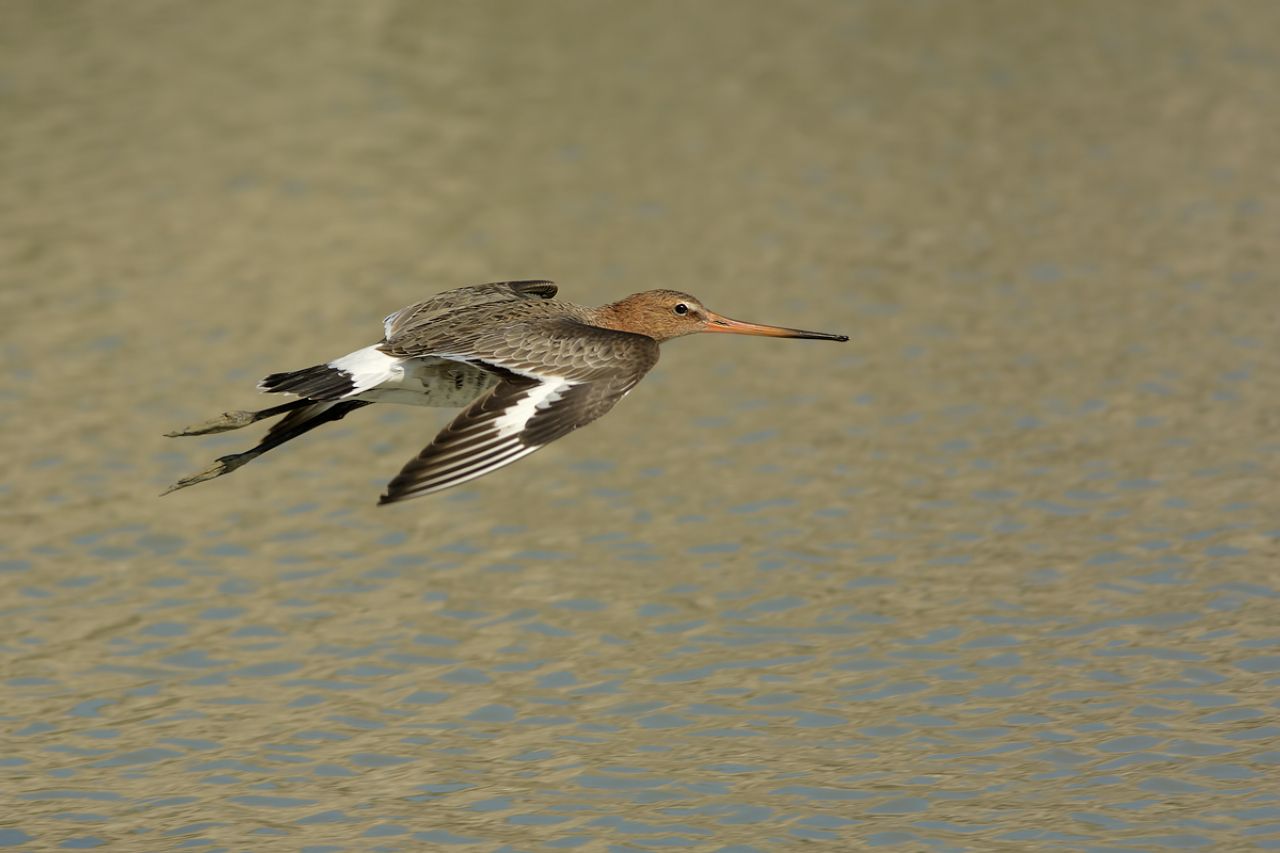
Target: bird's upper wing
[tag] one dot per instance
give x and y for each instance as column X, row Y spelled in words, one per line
column 421, row 313
column 539, row 399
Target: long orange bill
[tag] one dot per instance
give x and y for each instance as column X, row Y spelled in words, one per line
column 716, row 323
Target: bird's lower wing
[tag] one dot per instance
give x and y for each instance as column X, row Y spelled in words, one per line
column 522, row 414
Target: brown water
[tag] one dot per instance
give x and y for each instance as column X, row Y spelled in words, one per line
column 1000, row 573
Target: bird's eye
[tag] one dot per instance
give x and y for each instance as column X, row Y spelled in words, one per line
column 681, row 308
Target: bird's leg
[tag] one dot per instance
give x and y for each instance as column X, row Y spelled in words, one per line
column 299, row 421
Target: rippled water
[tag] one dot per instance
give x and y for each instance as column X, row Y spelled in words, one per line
column 997, row 574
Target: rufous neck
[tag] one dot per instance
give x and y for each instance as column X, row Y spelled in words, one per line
column 612, row 316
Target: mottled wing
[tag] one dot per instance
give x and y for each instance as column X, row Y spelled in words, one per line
column 529, row 409
column 422, row 313
column 385, row 369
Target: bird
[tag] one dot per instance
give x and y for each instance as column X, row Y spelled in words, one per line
column 528, row 368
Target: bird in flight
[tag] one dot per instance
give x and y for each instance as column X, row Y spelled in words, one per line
column 528, row 367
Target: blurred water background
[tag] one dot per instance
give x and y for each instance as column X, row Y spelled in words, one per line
column 998, row 574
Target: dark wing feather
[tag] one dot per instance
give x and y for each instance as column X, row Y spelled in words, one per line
column 526, row 411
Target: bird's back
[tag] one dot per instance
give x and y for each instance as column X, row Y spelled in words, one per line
column 406, row 321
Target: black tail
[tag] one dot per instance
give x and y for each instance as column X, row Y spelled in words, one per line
column 303, row 416
column 322, row 382
column 303, row 420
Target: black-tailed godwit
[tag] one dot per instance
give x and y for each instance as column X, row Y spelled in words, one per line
column 528, row 367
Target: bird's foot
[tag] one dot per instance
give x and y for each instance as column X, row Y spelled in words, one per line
column 221, row 465
column 223, row 423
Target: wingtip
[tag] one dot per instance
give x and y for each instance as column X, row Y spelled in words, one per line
column 393, row 496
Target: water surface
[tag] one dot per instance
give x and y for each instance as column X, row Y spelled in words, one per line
column 997, row 574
